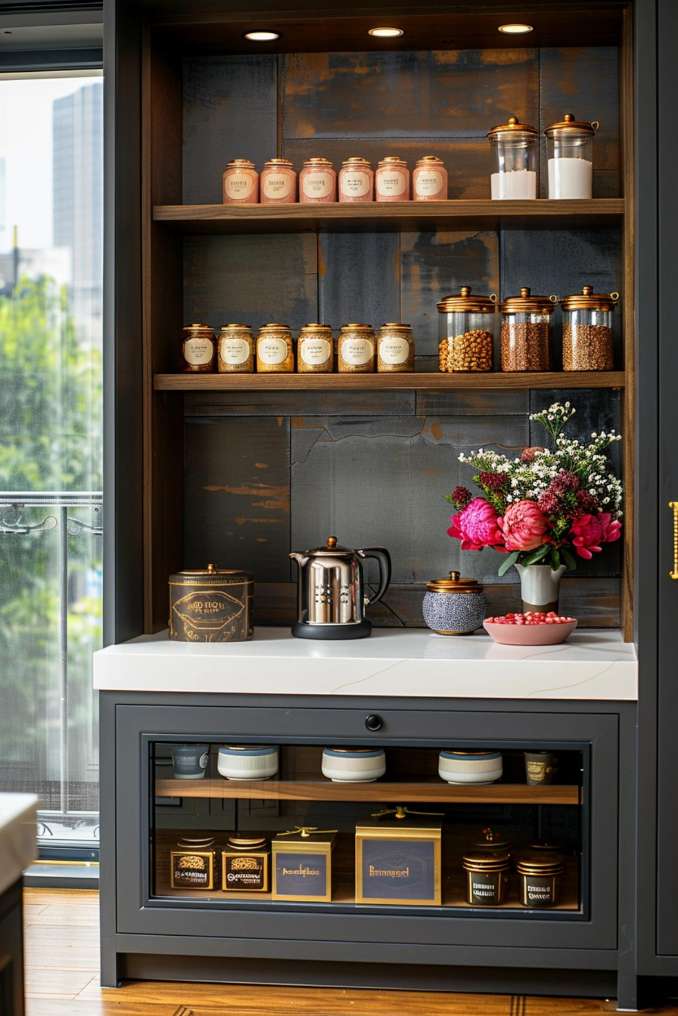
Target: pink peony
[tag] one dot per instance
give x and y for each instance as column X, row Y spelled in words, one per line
column 476, row 526
column 524, row 526
column 589, row 532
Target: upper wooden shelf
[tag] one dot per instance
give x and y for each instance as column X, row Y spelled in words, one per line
column 373, row 217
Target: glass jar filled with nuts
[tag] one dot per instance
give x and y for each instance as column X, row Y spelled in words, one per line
column 467, row 324
column 315, row 350
column 275, row 349
column 587, row 330
column 526, row 331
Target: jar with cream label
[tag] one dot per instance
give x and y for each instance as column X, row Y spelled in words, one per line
column 240, row 183
column 317, row 182
column 235, row 349
column 429, row 179
column 356, row 180
column 395, row 348
column 278, row 183
column 315, row 350
column 355, row 349
column 392, row 179
column 275, row 349
column 197, row 349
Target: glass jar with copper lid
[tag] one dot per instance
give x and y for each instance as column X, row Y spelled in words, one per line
column 429, row 179
column 587, row 330
column 278, row 182
column 454, row 605
column 275, row 349
column 356, row 180
column 467, row 324
column 317, row 182
column 392, row 179
column 540, row 873
column 395, row 348
column 197, row 349
column 315, row 350
column 526, row 331
column 235, row 349
column 514, row 160
column 569, row 145
column 240, row 183
column 355, row 349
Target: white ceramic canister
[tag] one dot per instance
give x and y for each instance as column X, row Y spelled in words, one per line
column 470, row 766
column 247, row 761
column 353, row 765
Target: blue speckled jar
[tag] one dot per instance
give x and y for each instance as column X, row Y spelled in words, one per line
column 455, row 605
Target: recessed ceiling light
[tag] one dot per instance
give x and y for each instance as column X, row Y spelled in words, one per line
column 262, row 36
column 516, row 29
column 386, row 33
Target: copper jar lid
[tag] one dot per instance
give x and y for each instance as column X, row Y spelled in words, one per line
column 357, row 327
column 429, row 160
column 356, row 160
column 211, row 576
column 279, row 162
column 527, row 302
column 482, row 861
column 512, row 129
column 246, row 842
column 240, row 164
column 198, row 328
column 235, row 327
column 539, row 862
column 392, row 160
column 569, row 126
column 317, row 160
column 274, row 327
column 315, row 326
column 211, row 569
column 588, row 300
column 455, row 583
column 464, row 301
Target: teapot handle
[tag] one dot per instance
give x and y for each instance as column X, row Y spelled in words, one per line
column 381, row 555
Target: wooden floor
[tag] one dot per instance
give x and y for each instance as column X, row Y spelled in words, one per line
column 62, row 980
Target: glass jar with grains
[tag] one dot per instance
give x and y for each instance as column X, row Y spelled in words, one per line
column 275, row 349
column 315, row 350
column 526, row 331
column 467, row 324
column 197, row 349
column 587, row 330
column 395, row 348
column 235, row 349
column 355, row 349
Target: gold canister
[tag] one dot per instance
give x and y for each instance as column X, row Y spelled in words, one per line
column 315, row 349
column 245, row 864
column 540, row 873
column 395, row 348
column 211, row 605
column 275, row 349
column 355, row 349
column 197, row 349
column 235, row 349
column 192, row 863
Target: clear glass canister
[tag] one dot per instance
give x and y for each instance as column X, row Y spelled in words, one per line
column 514, row 160
column 355, row 349
column 569, row 145
column 235, row 349
column 315, row 349
column 526, row 332
column 467, row 325
column 197, row 349
column 587, row 330
column 275, row 349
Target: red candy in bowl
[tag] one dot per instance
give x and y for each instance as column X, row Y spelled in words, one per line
column 534, row 628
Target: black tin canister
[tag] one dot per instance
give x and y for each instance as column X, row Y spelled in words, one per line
column 540, row 872
column 211, row 605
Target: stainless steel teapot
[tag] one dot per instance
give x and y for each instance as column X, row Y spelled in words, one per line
column 330, row 596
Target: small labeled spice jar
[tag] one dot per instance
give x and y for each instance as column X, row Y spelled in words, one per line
column 356, row 180
column 467, row 324
column 569, row 146
column 317, row 182
column 454, row 605
column 429, row 179
column 392, row 179
column 278, row 182
column 395, row 348
column 540, row 873
column 487, row 875
column 275, row 349
column 315, row 350
column 540, row 767
column 514, row 155
column 587, row 330
column 526, row 332
column 197, row 349
column 192, row 863
column 240, row 183
column 245, row 864
column 355, row 349
column 235, row 349
column 190, row 761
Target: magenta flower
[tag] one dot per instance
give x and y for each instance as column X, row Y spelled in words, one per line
column 524, row 526
column 476, row 526
column 590, row 532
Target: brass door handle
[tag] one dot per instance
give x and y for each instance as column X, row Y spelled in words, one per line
column 673, row 505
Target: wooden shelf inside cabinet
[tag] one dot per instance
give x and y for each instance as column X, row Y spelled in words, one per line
column 433, row 792
column 400, row 215
column 494, row 380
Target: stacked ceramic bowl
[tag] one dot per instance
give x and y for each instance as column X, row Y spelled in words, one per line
column 247, row 761
column 353, row 765
column 470, row 766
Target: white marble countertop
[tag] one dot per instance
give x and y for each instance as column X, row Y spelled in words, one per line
column 591, row 665
column 17, row 836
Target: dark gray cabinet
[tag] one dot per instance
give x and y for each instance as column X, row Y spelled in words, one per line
column 11, row 952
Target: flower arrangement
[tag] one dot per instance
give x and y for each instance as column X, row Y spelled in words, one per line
column 548, row 506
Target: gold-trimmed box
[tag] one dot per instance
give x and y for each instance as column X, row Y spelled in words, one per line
column 398, row 865
column 301, row 868
column 245, row 869
column 192, row 869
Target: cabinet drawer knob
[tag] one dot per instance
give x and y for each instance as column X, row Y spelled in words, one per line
column 374, row 722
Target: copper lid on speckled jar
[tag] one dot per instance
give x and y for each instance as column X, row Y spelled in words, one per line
column 454, row 605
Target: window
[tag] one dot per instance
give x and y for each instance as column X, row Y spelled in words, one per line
column 51, row 225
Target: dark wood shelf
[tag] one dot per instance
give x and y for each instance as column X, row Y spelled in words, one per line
column 374, row 217
column 494, row 380
column 431, row 792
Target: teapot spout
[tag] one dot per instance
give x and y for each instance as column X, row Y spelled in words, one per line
column 301, row 559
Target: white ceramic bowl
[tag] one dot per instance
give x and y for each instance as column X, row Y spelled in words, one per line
column 353, row 765
column 248, row 761
column 470, row 766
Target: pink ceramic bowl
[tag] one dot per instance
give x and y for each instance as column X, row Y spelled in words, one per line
column 529, row 634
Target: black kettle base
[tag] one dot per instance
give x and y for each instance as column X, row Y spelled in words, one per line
column 303, row 630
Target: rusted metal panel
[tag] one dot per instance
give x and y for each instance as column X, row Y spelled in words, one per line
column 359, row 278
column 496, row 403
column 293, row 403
